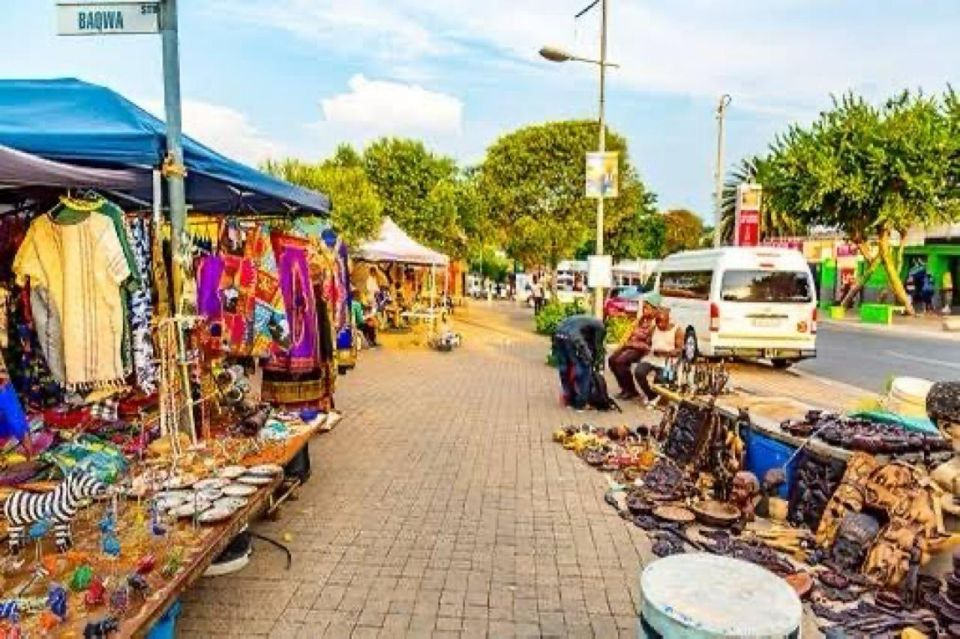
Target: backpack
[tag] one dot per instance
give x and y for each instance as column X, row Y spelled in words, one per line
column 599, row 398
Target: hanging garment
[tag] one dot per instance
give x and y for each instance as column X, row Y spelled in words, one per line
column 210, row 270
column 301, row 311
column 271, row 329
column 81, row 266
column 140, row 306
column 25, row 362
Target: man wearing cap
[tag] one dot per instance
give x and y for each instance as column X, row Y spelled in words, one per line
column 636, row 346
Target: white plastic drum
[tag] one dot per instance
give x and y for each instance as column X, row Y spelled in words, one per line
column 703, row 596
column 908, row 396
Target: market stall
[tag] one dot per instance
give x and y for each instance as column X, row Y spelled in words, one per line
column 844, row 508
column 399, row 277
column 139, row 433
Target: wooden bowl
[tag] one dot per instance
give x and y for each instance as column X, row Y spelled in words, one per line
column 716, row 513
column 677, row 514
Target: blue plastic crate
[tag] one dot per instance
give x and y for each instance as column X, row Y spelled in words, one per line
column 764, row 453
column 166, row 626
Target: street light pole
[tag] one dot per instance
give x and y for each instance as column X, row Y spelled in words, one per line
column 555, row 54
column 598, row 291
column 718, row 172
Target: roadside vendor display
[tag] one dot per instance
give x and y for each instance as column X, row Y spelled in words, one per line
column 850, row 535
column 109, row 494
column 398, row 281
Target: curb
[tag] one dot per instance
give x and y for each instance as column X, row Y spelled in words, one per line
column 887, row 330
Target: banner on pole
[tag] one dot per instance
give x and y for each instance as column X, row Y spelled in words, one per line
column 107, row 17
column 747, row 215
column 599, row 271
column 603, row 174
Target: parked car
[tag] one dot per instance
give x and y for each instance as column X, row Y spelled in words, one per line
column 624, row 301
column 753, row 303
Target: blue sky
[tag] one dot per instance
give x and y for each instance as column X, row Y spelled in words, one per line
column 265, row 78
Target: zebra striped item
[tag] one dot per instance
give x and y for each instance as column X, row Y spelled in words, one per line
column 23, row 508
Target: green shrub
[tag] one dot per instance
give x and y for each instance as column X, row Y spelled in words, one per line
column 555, row 312
column 617, row 328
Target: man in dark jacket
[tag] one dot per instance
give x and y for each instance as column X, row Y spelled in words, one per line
column 578, row 349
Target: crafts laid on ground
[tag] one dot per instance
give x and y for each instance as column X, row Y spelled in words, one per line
column 866, row 526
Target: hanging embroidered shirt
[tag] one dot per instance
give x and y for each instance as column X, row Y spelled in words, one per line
column 81, row 266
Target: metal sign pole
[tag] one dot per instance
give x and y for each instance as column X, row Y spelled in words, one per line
column 173, row 164
column 173, row 169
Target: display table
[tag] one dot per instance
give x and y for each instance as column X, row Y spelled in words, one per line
column 195, row 565
column 182, row 550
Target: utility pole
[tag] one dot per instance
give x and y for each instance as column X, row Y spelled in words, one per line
column 173, row 166
column 598, row 292
column 718, row 172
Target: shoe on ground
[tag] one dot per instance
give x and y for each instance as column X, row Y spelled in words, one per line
column 624, row 395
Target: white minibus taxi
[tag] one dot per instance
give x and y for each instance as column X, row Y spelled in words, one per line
column 742, row 302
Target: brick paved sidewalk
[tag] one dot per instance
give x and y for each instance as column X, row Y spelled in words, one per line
column 440, row 507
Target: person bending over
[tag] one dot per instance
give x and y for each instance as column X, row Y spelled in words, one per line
column 666, row 341
column 578, row 350
column 633, row 350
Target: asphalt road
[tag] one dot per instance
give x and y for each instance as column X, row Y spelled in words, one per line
column 869, row 359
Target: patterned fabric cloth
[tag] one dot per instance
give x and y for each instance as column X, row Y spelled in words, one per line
column 106, row 411
column 301, row 310
column 238, row 292
column 81, row 266
column 25, row 363
column 271, row 329
column 210, row 270
column 140, row 306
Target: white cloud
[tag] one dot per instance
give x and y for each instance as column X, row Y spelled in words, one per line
column 394, row 107
column 224, row 129
column 374, row 108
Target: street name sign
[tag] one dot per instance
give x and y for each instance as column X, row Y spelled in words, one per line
column 107, row 17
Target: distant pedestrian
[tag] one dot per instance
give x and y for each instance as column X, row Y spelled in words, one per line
column 946, row 292
column 927, row 293
column 536, row 292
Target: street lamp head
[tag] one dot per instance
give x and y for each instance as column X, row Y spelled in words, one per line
column 555, row 54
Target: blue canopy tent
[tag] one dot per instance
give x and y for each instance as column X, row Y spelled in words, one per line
column 81, row 123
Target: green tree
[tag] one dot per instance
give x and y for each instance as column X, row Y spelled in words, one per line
column 871, row 173
column 533, row 180
column 641, row 236
column 417, row 188
column 683, row 230
column 345, row 157
column 357, row 211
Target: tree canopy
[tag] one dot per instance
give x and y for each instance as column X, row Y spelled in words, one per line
column 683, row 230
column 416, row 187
column 357, row 210
column 533, row 180
column 870, row 171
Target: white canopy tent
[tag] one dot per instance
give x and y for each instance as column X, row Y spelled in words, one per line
column 394, row 245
